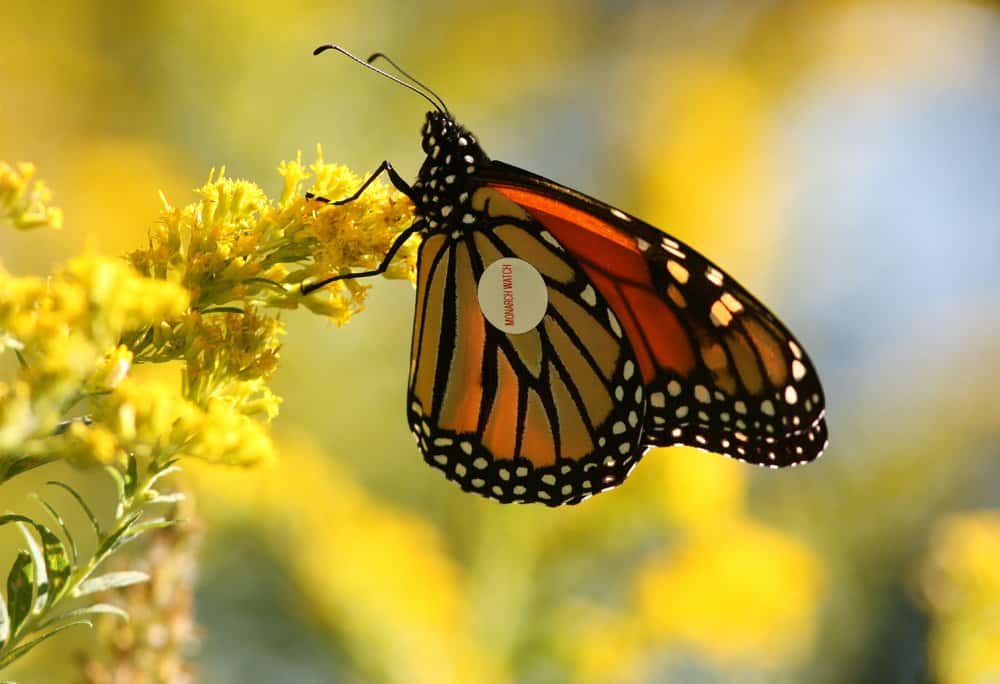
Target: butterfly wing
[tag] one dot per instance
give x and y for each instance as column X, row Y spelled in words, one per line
column 721, row 372
column 552, row 415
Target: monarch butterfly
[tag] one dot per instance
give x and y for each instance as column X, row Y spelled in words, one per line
column 597, row 338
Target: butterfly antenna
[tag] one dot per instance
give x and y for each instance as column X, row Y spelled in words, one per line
column 382, row 55
column 337, row 48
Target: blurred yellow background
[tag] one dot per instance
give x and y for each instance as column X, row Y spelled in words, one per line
column 840, row 158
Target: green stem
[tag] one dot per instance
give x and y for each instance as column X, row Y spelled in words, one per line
column 125, row 518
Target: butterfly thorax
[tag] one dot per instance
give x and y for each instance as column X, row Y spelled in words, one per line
column 445, row 183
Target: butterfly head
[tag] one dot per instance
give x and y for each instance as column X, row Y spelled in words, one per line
column 442, row 134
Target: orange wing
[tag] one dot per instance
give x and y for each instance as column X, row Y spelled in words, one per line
column 721, row 372
column 553, row 414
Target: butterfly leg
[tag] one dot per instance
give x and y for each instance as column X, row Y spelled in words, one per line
column 384, row 167
column 380, row 269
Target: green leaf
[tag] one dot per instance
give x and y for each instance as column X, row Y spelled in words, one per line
column 4, row 623
column 111, row 580
column 20, row 588
column 40, row 577
column 62, row 525
column 119, row 479
column 173, row 497
column 114, row 540
column 23, row 465
column 154, row 524
column 89, row 611
column 131, row 476
column 167, row 470
column 16, row 653
column 52, row 554
column 83, row 504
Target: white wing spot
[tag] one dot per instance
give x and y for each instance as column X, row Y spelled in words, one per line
column 621, row 214
column 619, row 393
column 740, row 407
column 441, row 458
column 460, row 469
column 588, row 295
column 714, row 275
column 796, row 350
column 618, row 428
column 466, row 447
column 628, row 370
column 633, row 418
column 641, row 244
column 615, row 328
column 673, row 250
column 731, row 302
column 469, row 218
column 442, row 441
column 720, row 315
column 701, row 394
column 445, row 210
column 480, row 463
column 679, row 273
column 798, row 369
column 657, row 399
column 549, row 479
column 681, row 411
column 551, row 239
column 791, row 396
column 767, row 407
column 674, row 388
column 521, row 471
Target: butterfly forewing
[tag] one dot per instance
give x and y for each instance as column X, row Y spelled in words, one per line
column 721, row 372
column 554, row 414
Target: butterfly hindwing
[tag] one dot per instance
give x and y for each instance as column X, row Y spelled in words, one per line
column 554, row 414
column 721, row 371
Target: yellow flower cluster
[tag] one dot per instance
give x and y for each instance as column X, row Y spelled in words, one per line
column 197, row 296
column 960, row 585
column 727, row 588
column 235, row 245
column 24, row 201
column 64, row 331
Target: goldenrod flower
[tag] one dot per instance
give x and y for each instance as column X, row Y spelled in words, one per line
column 739, row 593
column 24, row 201
column 235, row 246
column 960, row 585
column 65, row 331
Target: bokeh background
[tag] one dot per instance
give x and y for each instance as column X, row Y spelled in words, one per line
column 840, row 158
